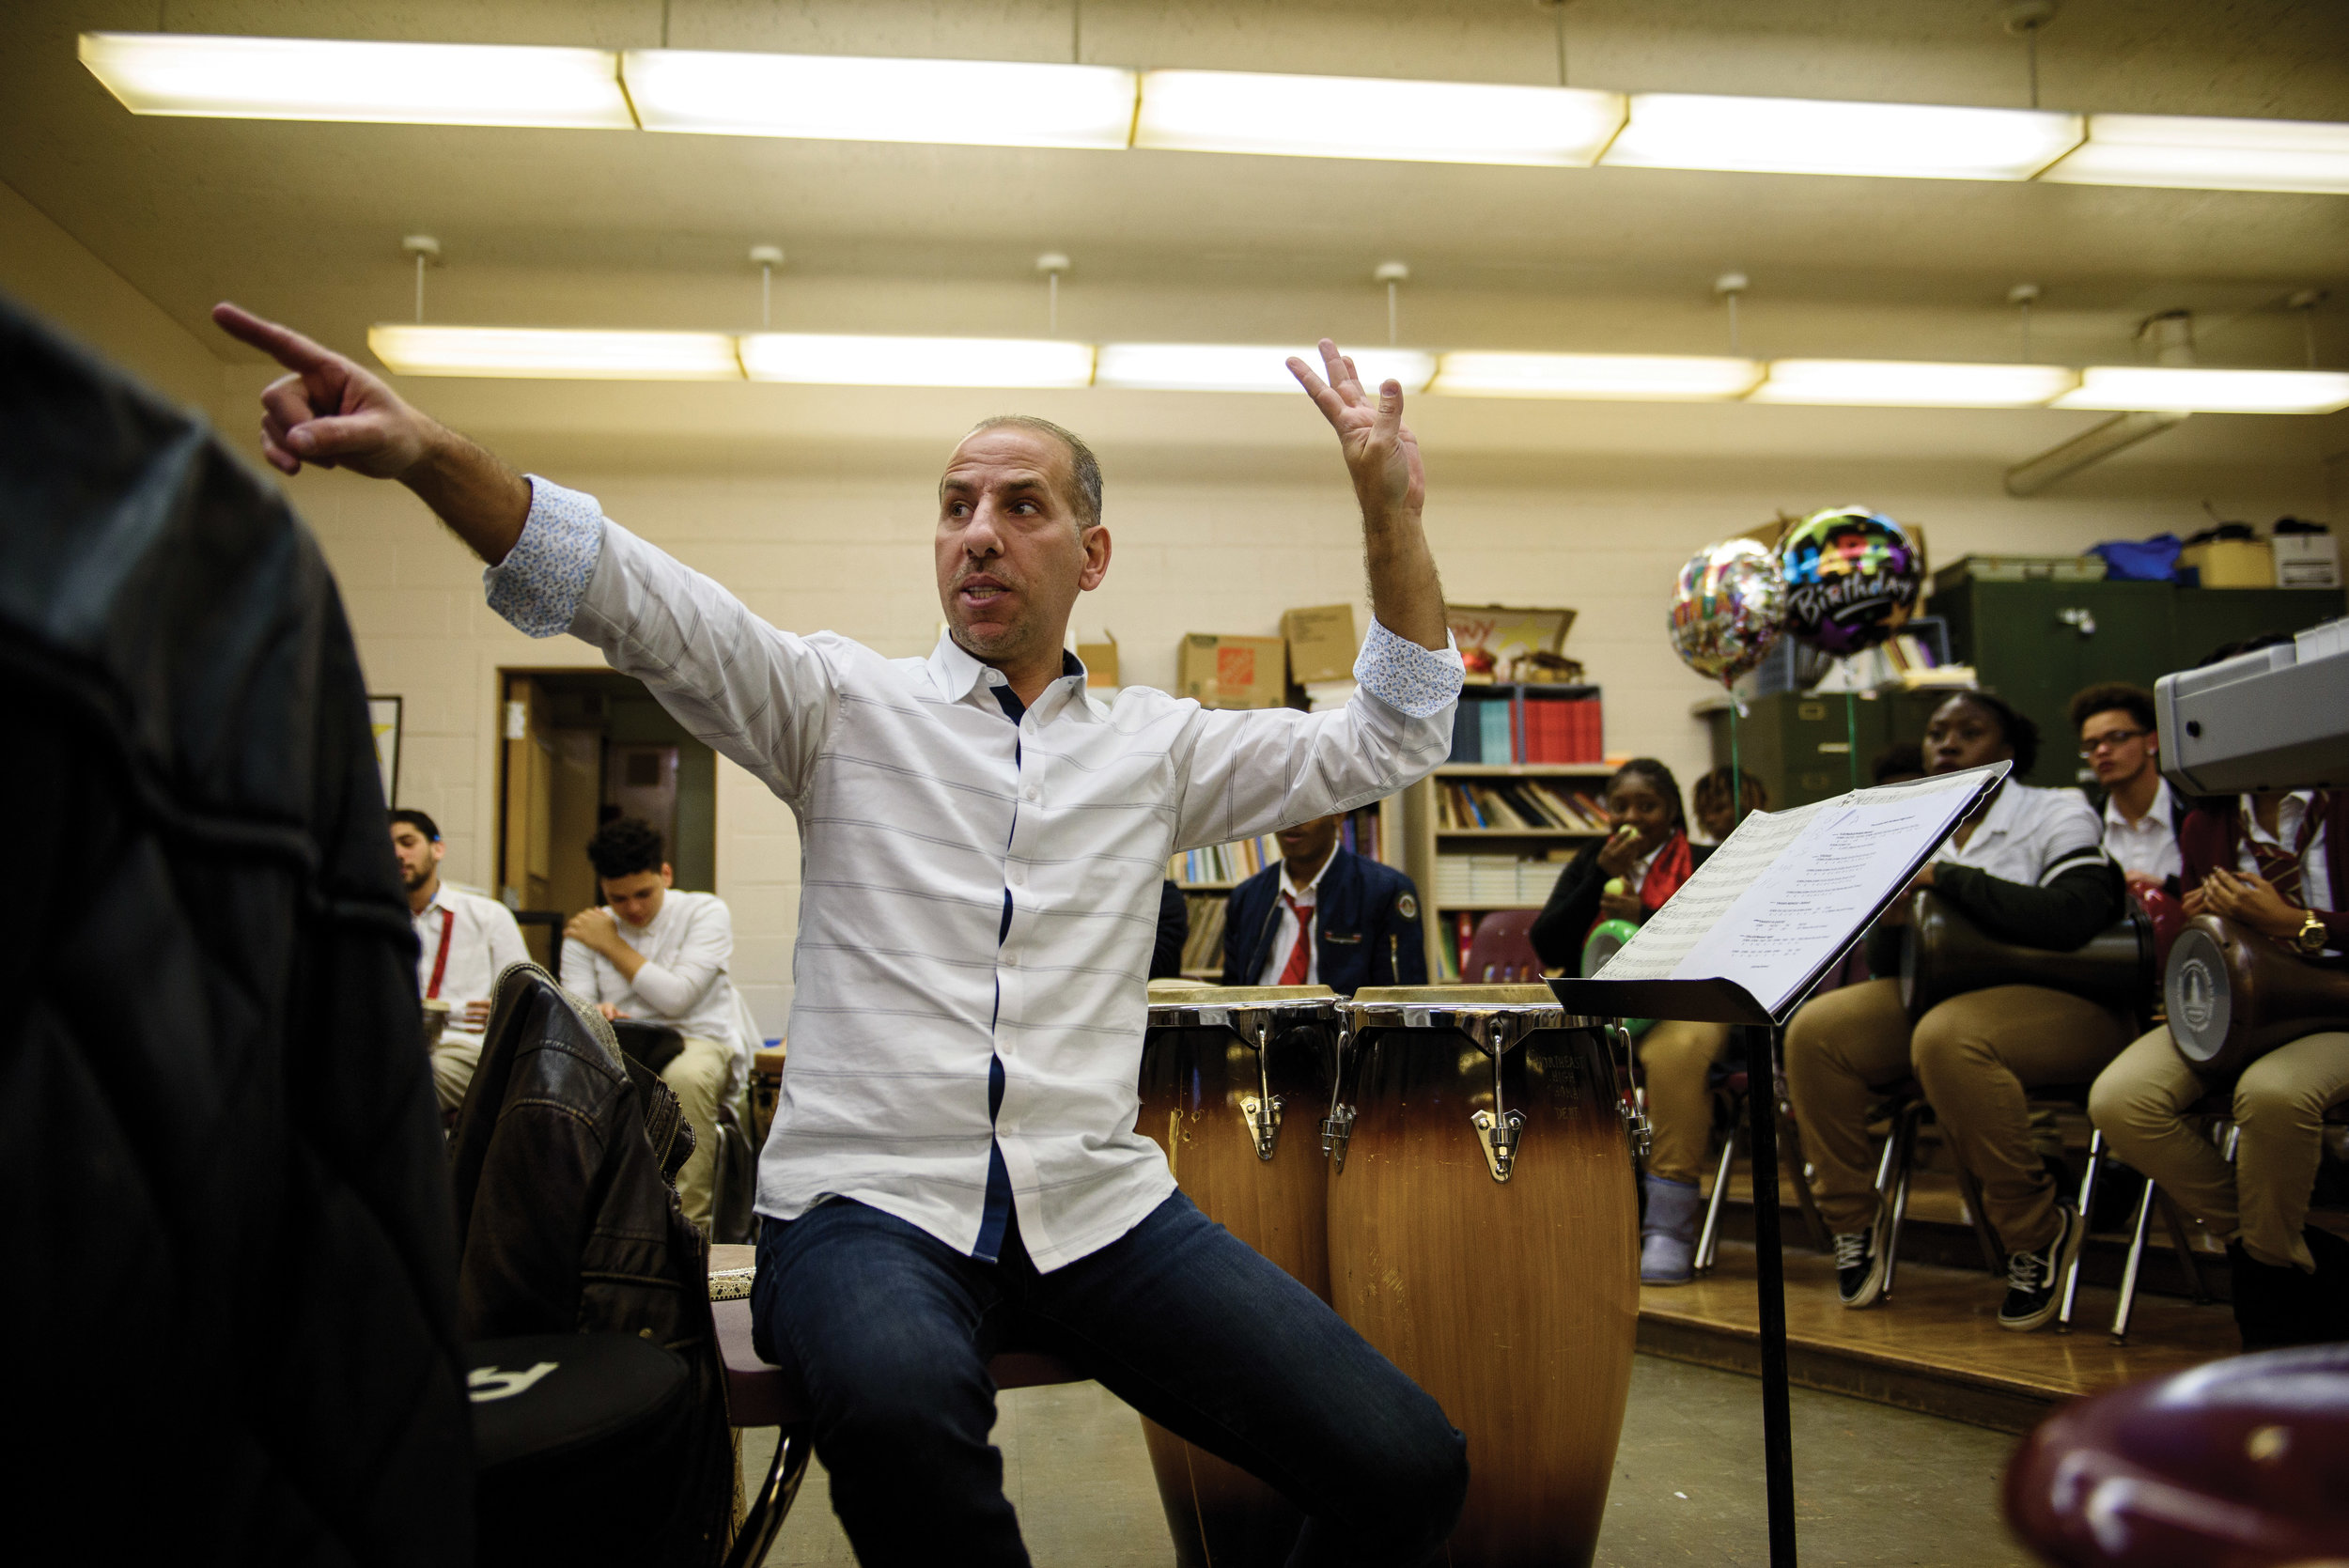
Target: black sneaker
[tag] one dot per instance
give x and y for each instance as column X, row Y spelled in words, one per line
column 1859, row 1267
column 2035, row 1279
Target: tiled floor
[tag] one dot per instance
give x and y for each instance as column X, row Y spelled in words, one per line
column 1873, row 1486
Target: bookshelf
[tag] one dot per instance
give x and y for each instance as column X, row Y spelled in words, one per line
column 1467, row 871
column 1208, row 877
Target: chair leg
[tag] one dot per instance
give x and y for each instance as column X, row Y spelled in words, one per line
column 794, row 1447
column 1708, row 1241
column 2136, row 1261
column 2088, row 1206
column 1904, row 1139
column 2176, row 1222
column 1790, row 1163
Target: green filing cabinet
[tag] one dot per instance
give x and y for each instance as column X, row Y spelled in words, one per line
column 1800, row 744
column 2037, row 643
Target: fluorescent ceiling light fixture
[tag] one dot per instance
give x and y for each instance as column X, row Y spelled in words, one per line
column 2197, row 391
column 2209, row 154
column 836, row 360
column 1914, row 384
column 1244, row 367
column 1798, row 135
column 1349, row 116
column 1632, row 378
column 847, row 98
column 330, row 79
column 556, row 353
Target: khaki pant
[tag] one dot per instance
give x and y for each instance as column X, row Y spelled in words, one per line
column 1675, row 1061
column 455, row 1060
column 2280, row 1102
column 698, row 1080
column 1974, row 1056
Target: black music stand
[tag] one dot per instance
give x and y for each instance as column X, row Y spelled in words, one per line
column 1719, row 1001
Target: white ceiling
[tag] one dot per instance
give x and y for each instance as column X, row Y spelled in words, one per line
column 625, row 229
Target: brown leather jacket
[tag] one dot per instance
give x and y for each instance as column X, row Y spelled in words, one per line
column 566, row 1220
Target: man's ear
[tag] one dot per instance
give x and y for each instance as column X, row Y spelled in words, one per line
column 668, row 878
column 1096, row 566
column 438, row 849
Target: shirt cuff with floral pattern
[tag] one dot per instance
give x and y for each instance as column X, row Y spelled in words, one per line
column 539, row 585
column 1421, row 682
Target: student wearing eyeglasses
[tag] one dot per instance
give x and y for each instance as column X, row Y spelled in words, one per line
column 2115, row 723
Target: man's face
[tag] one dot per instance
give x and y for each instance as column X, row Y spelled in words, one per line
column 1309, row 841
column 419, row 857
column 1963, row 735
column 635, row 898
column 2116, row 747
column 1011, row 559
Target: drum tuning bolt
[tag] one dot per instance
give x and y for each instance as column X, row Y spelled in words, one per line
column 1262, row 1109
column 1336, row 1128
column 1498, row 1129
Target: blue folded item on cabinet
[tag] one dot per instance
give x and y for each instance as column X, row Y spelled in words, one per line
column 2153, row 559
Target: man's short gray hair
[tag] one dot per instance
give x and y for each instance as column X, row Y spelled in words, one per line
column 1084, row 469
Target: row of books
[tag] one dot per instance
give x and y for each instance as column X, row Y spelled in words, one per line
column 1225, row 862
column 1203, row 950
column 1528, row 729
column 1363, row 831
column 1493, row 881
column 1516, row 803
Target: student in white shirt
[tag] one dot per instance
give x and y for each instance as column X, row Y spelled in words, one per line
column 2115, row 723
column 465, row 942
column 2029, row 868
column 983, row 849
column 655, row 953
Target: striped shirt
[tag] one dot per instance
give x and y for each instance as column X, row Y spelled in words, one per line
column 979, row 897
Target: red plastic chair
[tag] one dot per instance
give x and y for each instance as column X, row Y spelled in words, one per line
column 1501, row 952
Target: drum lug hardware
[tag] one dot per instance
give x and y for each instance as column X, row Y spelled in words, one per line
column 1264, row 1121
column 1637, row 1127
column 1336, row 1129
column 1499, row 1135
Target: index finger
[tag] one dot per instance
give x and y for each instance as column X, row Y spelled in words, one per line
column 285, row 345
column 1325, row 396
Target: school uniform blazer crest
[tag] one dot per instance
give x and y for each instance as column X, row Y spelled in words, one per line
column 1366, row 926
column 972, row 891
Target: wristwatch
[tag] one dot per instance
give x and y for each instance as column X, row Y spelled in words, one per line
column 2312, row 937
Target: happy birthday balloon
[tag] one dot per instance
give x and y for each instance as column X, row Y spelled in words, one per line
column 1727, row 609
column 1852, row 579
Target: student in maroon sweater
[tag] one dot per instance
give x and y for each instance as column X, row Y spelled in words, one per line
column 2278, row 862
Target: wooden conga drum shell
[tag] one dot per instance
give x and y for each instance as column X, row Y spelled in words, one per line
column 1516, row 1304
column 1193, row 1081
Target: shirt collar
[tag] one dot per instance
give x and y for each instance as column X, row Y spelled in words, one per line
column 2005, row 808
column 957, row 674
column 2289, row 812
column 2156, row 815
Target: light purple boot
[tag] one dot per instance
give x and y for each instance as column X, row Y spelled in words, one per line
column 1667, row 1236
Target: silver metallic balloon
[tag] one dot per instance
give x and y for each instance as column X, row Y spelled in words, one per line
column 1727, row 608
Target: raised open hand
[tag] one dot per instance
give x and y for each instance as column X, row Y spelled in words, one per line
column 328, row 412
column 1381, row 453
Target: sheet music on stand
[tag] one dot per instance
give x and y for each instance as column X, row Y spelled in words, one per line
column 1779, row 902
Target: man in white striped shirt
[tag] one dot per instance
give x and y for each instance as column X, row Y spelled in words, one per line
column 954, row 1149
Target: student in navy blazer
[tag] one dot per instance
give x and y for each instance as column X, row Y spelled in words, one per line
column 1363, row 917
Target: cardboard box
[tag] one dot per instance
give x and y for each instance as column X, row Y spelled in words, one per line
column 1321, row 642
column 1233, row 671
column 1498, row 643
column 1100, row 660
column 2021, row 568
column 2306, row 561
column 2231, row 563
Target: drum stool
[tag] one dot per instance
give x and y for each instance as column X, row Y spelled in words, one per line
column 759, row 1393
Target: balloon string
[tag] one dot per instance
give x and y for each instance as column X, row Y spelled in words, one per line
column 1737, row 770
column 1851, row 735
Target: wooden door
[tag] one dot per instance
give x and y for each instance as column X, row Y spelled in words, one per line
column 525, row 830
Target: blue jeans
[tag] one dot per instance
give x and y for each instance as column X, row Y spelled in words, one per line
column 890, row 1330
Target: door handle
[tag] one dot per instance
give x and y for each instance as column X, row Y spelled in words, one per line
column 2081, row 621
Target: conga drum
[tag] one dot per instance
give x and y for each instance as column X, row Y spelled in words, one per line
column 1484, row 1234
column 1234, row 1082
column 766, row 1089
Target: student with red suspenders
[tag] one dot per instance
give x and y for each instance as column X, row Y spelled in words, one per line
column 465, row 942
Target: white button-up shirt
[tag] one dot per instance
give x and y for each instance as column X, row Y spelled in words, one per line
column 483, row 940
column 1285, row 936
column 2149, row 846
column 924, row 811
column 2032, row 836
column 682, row 982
